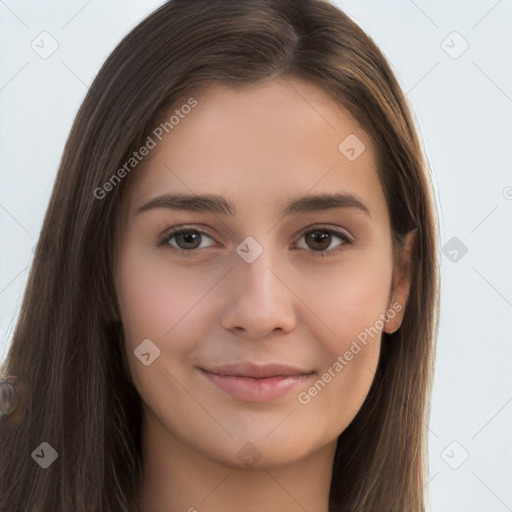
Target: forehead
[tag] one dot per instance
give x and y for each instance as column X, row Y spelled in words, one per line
column 266, row 142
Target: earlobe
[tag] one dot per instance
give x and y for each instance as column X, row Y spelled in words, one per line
column 399, row 293
column 395, row 312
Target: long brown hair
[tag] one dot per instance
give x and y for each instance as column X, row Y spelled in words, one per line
column 74, row 387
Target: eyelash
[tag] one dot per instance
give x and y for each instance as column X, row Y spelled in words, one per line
column 169, row 234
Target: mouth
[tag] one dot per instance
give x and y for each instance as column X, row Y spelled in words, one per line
column 253, row 383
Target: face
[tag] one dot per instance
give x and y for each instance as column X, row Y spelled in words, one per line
column 253, row 334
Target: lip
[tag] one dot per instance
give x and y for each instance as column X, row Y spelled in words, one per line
column 257, row 371
column 254, row 383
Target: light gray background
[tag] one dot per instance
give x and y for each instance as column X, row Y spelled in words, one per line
column 464, row 109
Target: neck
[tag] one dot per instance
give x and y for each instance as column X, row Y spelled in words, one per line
column 178, row 478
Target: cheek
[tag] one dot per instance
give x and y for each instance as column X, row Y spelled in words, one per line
column 354, row 298
column 154, row 297
column 163, row 305
column 358, row 306
column 350, row 297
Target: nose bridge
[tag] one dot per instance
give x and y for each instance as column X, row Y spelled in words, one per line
column 256, row 264
column 260, row 281
column 259, row 302
column 260, row 285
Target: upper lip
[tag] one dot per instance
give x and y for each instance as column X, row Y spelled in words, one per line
column 257, row 371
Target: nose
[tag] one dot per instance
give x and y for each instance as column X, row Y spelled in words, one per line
column 260, row 301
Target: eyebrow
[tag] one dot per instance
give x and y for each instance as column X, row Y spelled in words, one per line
column 220, row 205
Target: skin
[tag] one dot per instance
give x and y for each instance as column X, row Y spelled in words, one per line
column 260, row 147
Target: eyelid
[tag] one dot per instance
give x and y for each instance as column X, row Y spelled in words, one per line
column 325, row 226
column 177, row 230
column 337, row 231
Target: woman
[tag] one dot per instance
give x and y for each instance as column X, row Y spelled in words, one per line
column 285, row 361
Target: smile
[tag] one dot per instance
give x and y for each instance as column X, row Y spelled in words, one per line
column 250, row 383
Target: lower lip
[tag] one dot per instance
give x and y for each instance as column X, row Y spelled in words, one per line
column 257, row 390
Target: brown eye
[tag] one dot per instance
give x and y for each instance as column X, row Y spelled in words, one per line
column 183, row 239
column 320, row 240
column 189, row 240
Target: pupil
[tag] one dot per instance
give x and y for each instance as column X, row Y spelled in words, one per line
column 189, row 238
column 318, row 237
column 322, row 237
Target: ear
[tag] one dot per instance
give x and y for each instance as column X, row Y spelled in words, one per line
column 399, row 293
